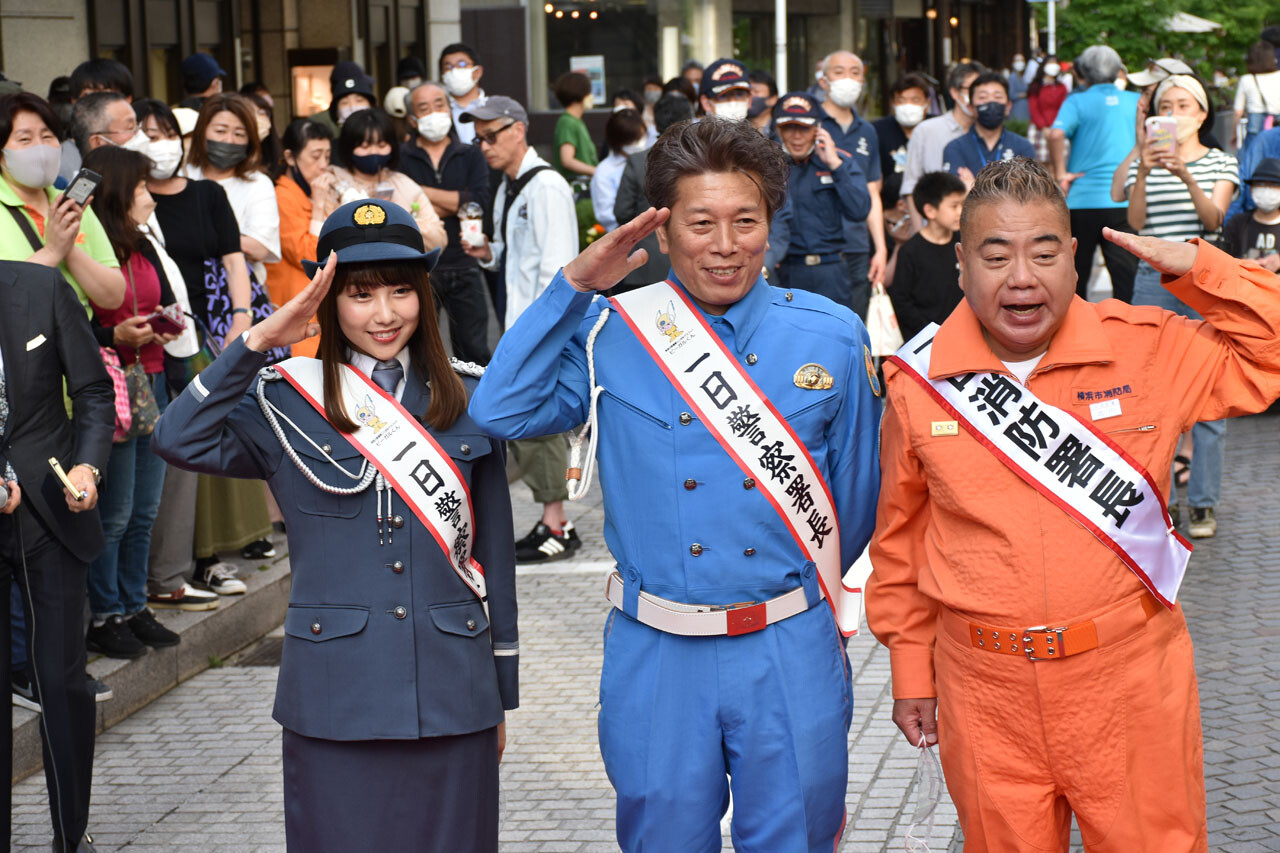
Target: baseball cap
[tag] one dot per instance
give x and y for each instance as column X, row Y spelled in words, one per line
column 199, row 70
column 369, row 230
column 797, row 108
column 1267, row 171
column 723, row 75
column 495, row 106
column 1159, row 69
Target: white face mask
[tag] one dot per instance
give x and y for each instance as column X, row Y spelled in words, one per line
column 1266, row 198
column 1019, row 65
column 845, row 91
column 345, row 113
column 1052, row 69
column 458, row 81
column 434, row 126
column 35, row 167
column 165, row 156
column 589, row 102
column 908, row 115
column 735, row 110
column 138, row 142
column 1188, row 126
column 1122, row 82
column 635, row 147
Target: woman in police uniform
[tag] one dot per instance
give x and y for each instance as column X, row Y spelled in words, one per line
column 396, row 672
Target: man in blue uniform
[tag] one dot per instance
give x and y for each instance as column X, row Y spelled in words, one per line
column 723, row 665
column 987, row 141
column 825, row 190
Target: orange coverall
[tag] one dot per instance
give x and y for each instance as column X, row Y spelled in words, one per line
column 1112, row 734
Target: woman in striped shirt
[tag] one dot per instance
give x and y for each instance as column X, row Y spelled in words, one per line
column 1180, row 196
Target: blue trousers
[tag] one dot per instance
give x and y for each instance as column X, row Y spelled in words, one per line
column 129, row 503
column 684, row 720
column 1205, row 486
column 858, row 268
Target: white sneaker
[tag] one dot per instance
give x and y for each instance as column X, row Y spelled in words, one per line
column 185, row 597
column 220, row 578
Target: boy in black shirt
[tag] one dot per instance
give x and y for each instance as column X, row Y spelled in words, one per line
column 1256, row 235
column 926, row 286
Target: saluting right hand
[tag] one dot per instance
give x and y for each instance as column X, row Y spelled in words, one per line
column 292, row 322
column 610, row 259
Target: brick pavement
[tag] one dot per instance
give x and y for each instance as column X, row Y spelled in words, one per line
column 199, row 768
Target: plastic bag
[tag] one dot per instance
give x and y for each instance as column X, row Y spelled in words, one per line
column 928, row 794
column 882, row 324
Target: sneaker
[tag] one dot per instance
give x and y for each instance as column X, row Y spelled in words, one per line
column 543, row 545
column 114, row 639
column 258, row 550
column 185, row 597
column 100, row 691
column 1203, row 524
column 146, row 628
column 219, row 578
column 24, row 692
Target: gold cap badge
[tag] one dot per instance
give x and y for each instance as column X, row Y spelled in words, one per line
column 813, row 377
column 369, row 214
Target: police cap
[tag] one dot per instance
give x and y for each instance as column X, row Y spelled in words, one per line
column 370, row 230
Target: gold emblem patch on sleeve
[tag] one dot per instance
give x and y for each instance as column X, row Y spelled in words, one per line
column 369, row 214
column 813, row 377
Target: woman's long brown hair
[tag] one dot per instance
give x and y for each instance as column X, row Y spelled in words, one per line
column 426, row 348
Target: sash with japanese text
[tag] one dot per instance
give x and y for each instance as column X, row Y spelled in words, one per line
column 1067, row 460
column 400, row 447
column 746, row 424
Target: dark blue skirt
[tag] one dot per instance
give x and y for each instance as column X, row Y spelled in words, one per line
column 435, row 795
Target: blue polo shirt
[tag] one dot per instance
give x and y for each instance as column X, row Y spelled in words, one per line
column 860, row 143
column 1099, row 121
column 970, row 152
column 821, row 201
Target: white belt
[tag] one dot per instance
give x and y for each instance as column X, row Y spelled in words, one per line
column 708, row 620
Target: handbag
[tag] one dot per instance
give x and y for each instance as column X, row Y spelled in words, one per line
column 882, row 324
column 179, row 372
column 218, row 301
column 124, row 413
column 142, row 400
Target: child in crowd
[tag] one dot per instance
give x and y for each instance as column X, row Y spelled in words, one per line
column 1255, row 235
column 926, row 286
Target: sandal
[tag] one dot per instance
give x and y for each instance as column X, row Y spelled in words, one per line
column 1181, row 470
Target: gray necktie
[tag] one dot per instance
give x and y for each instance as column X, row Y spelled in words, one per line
column 387, row 375
column 9, row 473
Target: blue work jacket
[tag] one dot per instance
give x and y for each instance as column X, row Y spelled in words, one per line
column 819, row 201
column 668, row 484
column 970, row 152
column 863, row 145
column 381, row 641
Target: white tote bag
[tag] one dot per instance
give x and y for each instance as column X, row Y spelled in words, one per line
column 882, row 324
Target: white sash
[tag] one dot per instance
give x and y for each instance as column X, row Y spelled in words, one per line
column 1065, row 459
column 748, row 427
column 406, row 454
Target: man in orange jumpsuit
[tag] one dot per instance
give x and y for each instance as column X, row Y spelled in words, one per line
column 1098, row 715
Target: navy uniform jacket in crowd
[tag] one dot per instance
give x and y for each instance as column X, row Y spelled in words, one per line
column 381, row 641
column 819, row 201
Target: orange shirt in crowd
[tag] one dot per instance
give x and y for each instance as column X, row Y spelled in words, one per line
column 956, row 526
column 297, row 243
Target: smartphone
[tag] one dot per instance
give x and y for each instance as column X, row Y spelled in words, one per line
column 167, row 320
column 83, row 185
column 62, row 475
column 1162, row 133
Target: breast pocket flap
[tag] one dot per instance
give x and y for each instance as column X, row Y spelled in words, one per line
column 320, row 622
column 465, row 620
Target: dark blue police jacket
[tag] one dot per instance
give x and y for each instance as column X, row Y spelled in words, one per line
column 381, row 641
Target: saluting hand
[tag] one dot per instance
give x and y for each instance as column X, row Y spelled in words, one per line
column 1170, row 257
column 292, row 322
column 610, row 259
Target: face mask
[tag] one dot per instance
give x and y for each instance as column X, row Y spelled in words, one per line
column 226, row 155
column 735, row 110
column 296, row 174
column 991, row 114
column 33, row 167
column 1122, row 83
column 345, row 113
column 845, row 92
column 1052, row 69
column 434, row 126
column 138, row 142
column 635, row 147
column 458, row 81
column 963, row 103
column 1019, row 65
column 370, row 164
column 908, row 115
column 588, row 102
column 165, row 156
column 651, row 96
column 412, row 83
column 264, row 127
column 1188, row 126
column 1266, row 198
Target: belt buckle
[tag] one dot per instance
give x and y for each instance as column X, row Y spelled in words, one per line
column 745, row 617
column 1052, row 638
column 812, row 260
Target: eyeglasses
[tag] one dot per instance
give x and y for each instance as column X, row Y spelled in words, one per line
column 461, row 63
column 492, row 138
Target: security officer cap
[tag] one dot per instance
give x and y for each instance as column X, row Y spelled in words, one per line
column 797, row 108
column 370, row 230
column 723, row 75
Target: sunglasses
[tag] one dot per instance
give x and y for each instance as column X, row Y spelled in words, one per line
column 492, row 138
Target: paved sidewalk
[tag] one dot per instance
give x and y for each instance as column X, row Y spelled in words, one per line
column 199, row 768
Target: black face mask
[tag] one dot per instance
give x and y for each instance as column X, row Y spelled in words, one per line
column 991, row 114
column 296, row 174
column 369, row 164
column 225, row 155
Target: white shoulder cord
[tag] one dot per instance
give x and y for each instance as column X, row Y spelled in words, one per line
column 579, row 473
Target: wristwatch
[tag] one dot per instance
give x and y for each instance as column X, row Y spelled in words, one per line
column 97, row 475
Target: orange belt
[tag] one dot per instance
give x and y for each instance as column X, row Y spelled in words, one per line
column 1053, row 643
